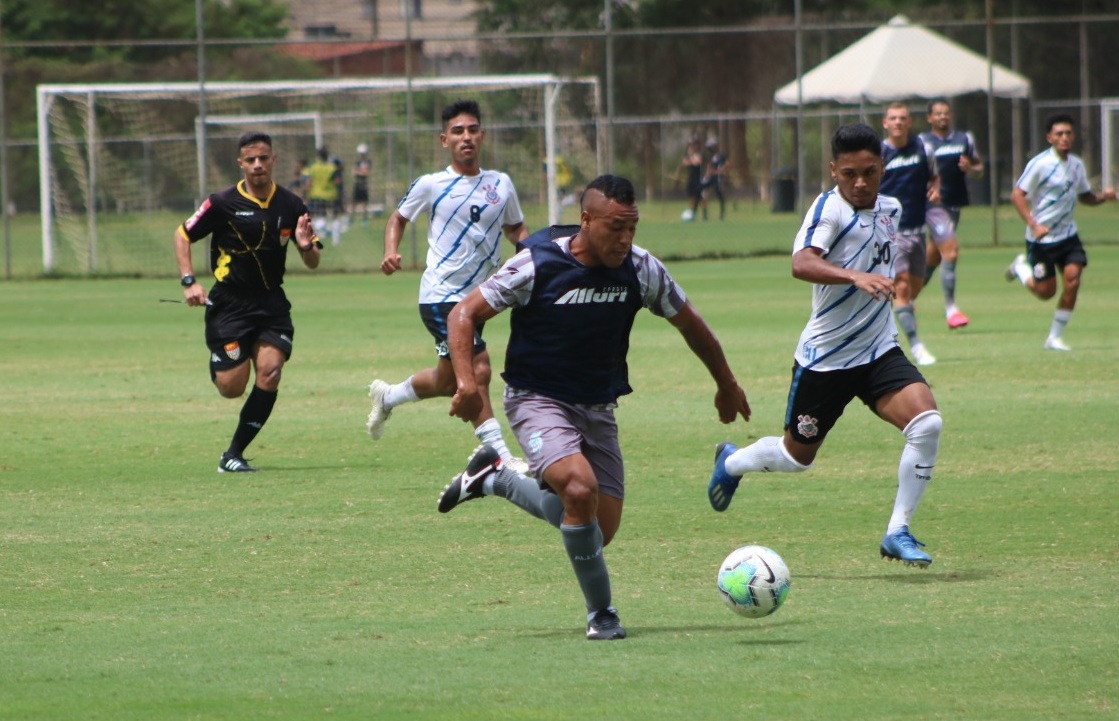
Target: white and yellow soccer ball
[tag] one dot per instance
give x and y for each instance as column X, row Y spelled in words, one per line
column 754, row 581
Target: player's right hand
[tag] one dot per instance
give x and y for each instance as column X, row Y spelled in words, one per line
column 391, row 264
column 196, row 295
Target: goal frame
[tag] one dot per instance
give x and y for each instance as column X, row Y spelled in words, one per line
column 551, row 85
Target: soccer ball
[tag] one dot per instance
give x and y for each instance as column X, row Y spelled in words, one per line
column 688, row 215
column 754, row 581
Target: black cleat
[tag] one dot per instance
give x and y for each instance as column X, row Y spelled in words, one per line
column 230, row 463
column 605, row 625
column 467, row 485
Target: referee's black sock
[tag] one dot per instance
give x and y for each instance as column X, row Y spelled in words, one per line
column 254, row 414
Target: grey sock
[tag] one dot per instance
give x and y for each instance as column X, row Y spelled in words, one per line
column 948, row 281
column 907, row 319
column 526, row 494
column 584, row 548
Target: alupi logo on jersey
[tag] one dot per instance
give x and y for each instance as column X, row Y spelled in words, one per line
column 806, row 426
column 491, row 194
column 577, row 296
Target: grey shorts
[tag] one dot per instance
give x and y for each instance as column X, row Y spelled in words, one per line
column 550, row 430
column 911, row 252
column 941, row 224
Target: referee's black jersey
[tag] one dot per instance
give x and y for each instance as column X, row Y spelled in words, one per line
column 250, row 237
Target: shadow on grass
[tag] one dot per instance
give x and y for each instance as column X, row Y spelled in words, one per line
column 912, row 575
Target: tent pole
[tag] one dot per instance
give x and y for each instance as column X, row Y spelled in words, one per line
column 992, row 126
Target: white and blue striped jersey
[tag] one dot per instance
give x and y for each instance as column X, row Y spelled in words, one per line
column 1053, row 185
column 465, row 217
column 848, row 327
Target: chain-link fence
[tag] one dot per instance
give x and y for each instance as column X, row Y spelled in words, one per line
column 663, row 87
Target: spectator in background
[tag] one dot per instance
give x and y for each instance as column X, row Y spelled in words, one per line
column 716, row 166
column 322, row 195
column 693, row 164
column 362, row 165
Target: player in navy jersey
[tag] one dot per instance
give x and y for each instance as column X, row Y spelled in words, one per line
column 468, row 209
column 248, row 316
column 956, row 159
column 911, row 177
column 574, row 293
column 846, row 249
column 1045, row 197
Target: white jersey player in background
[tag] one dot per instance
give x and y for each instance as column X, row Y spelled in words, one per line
column 468, row 209
column 1045, row 198
column 846, row 249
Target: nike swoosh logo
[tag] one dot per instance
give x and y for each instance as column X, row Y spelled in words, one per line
column 864, row 226
column 468, row 480
column 924, row 468
column 772, row 577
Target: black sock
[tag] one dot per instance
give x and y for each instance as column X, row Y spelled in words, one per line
column 254, row 414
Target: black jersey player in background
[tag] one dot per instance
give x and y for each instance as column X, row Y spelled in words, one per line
column 248, row 316
column 574, row 296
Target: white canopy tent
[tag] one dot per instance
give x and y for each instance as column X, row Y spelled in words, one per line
column 899, row 60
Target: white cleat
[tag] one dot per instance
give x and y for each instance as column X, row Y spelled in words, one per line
column 379, row 415
column 1052, row 343
column 921, row 355
column 519, row 465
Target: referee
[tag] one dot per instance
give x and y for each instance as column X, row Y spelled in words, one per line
column 248, row 316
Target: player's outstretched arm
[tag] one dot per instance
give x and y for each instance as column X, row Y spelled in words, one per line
column 730, row 399
column 471, row 311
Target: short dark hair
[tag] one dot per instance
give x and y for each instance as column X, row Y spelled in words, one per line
column 252, row 137
column 938, row 101
column 855, row 137
column 459, row 107
column 1056, row 118
column 615, row 188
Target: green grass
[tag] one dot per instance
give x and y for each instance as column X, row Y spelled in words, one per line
column 137, row 583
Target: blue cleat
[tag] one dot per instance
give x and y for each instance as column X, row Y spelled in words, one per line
column 902, row 546
column 722, row 486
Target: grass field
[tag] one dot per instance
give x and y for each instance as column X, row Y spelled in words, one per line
column 138, row 583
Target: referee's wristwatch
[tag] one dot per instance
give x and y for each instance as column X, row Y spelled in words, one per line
column 187, row 280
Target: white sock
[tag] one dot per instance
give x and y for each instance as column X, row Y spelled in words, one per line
column 918, row 459
column 1061, row 317
column 490, row 434
column 1023, row 270
column 398, row 394
column 763, row 456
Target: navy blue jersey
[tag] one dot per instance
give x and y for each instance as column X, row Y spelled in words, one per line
column 249, row 237
column 947, row 151
column 908, row 172
column 597, row 306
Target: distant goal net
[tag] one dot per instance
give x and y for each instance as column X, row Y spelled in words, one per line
column 122, row 165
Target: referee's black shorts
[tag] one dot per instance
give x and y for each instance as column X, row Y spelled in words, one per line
column 236, row 322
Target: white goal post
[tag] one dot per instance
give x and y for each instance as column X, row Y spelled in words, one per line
column 122, row 164
column 1109, row 143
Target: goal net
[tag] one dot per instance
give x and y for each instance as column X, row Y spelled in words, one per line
column 122, row 165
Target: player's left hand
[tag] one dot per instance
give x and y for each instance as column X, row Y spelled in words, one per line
column 731, row 402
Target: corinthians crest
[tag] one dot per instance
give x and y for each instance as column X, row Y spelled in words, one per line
column 806, row 426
